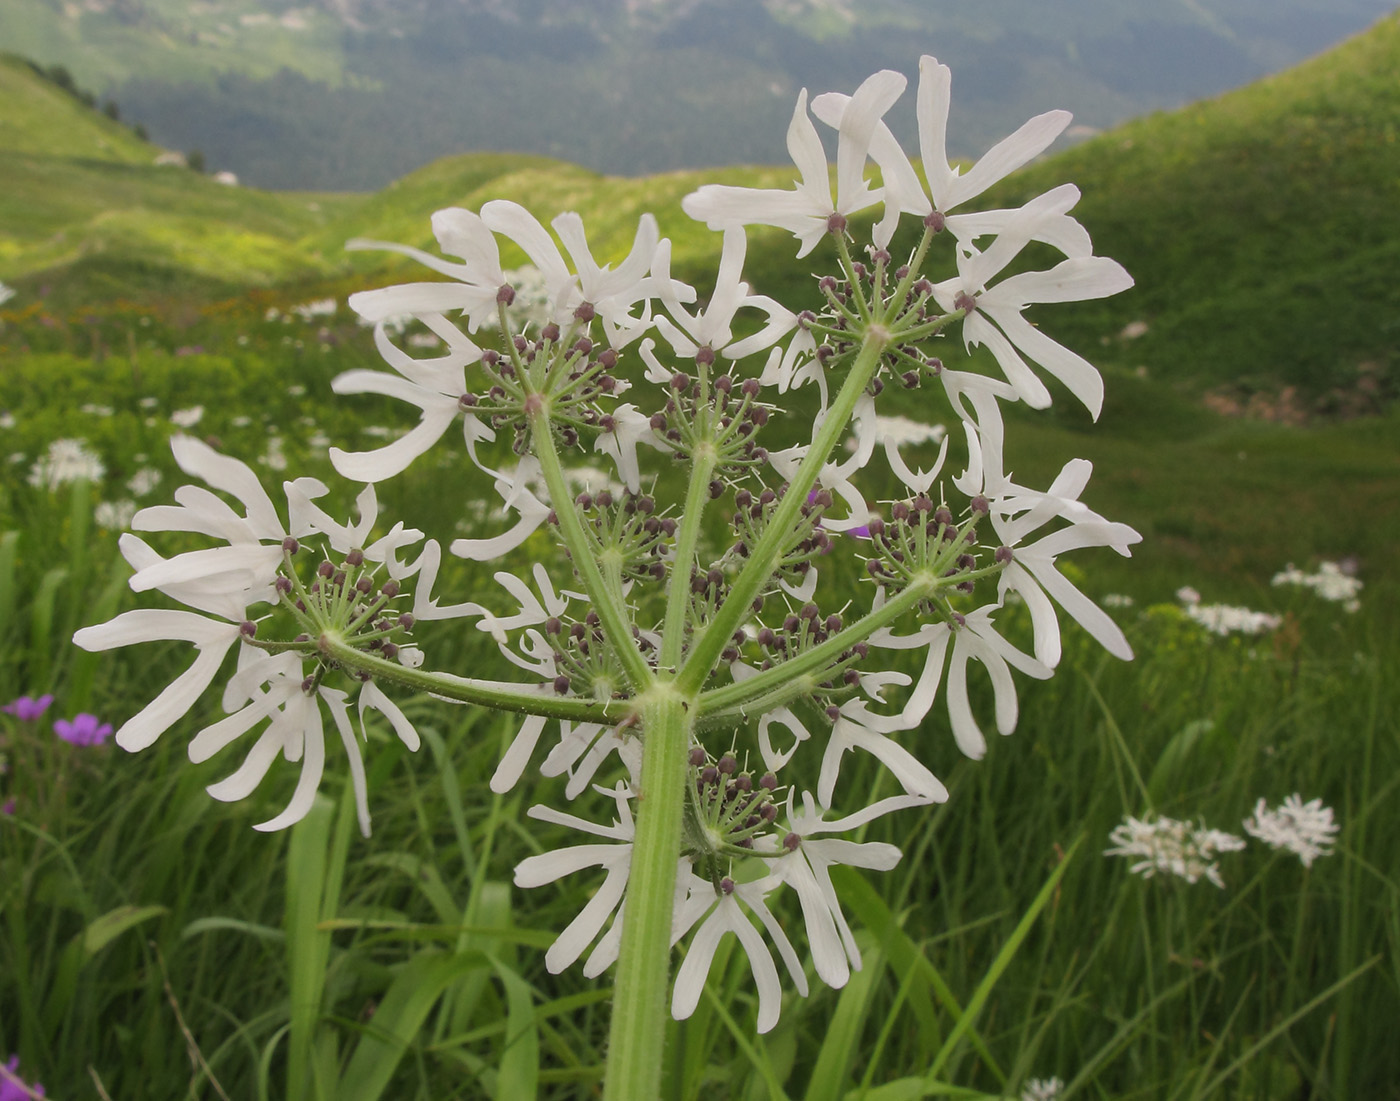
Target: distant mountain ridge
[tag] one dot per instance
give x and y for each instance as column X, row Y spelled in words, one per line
column 350, row 94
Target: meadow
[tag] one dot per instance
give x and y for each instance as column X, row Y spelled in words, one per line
column 153, row 945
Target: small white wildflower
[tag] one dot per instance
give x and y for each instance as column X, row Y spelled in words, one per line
column 66, row 461
column 1172, row 846
column 1187, row 595
column 7, row 419
column 1042, row 1089
column 272, row 457
column 6, row 293
column 1307, row 829
column 92, row 409
column 241, row 421
column 148, row 402
column 321, row 307
column 1117, row 600
column 114, row 515
column 1225, row 619
column 1331, row 582
column 424, row 340
column 187, row 418
column 143, row 481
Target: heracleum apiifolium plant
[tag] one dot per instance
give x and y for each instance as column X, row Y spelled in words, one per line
column 675, row 677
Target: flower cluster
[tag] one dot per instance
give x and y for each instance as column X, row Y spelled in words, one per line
column 1331, row 582
column 1188, row 851
column 66, row 461
column 1305, row 829
column 346, row 597
column 683, row 638
column 1172, row 846
column 1225, row 619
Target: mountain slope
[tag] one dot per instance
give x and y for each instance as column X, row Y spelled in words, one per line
column 1263, row 228
column 40, row 117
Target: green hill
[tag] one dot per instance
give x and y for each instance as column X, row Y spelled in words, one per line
column 42, row 118
column 1263, row 229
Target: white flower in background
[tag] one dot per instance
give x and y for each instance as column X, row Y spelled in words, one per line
column 321, row 307
column 114, row 515
column 1116, row 600
column 7, row 419
column 1228, row 619
column 1042, row 1089
column 1174, row 847
column 6, row 293
column 1307, row 829
column 92, row 409
column 1331, row 582
column 273, row 457
column 187, row 418
column 144, row 481
column 1188, row 596
column 66, row 461
column 810, row 211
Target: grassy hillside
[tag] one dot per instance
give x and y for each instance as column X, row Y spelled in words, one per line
column 42, row 118
column 1263, row 229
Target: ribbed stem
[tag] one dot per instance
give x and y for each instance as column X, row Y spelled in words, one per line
column 643, row 967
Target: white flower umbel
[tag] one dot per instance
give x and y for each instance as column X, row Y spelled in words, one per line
column 1306, row 829
column 1331, row 582
column 692, row 621
column 66, row 461
column 1172, row 846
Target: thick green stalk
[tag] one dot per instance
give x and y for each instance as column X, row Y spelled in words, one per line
column 643, row 968
column 764, row 557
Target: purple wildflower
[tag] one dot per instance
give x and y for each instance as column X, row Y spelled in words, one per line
column 27, row 709
column 7, row 807
column 84, row 729
column 12, row 1087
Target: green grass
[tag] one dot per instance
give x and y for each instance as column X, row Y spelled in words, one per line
column 289, row 962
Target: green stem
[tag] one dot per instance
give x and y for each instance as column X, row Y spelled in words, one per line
column 643, row 975
column 611, row 612
column 735, row 696
column 494, row 694
column 687, row 538
column 764, row 558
